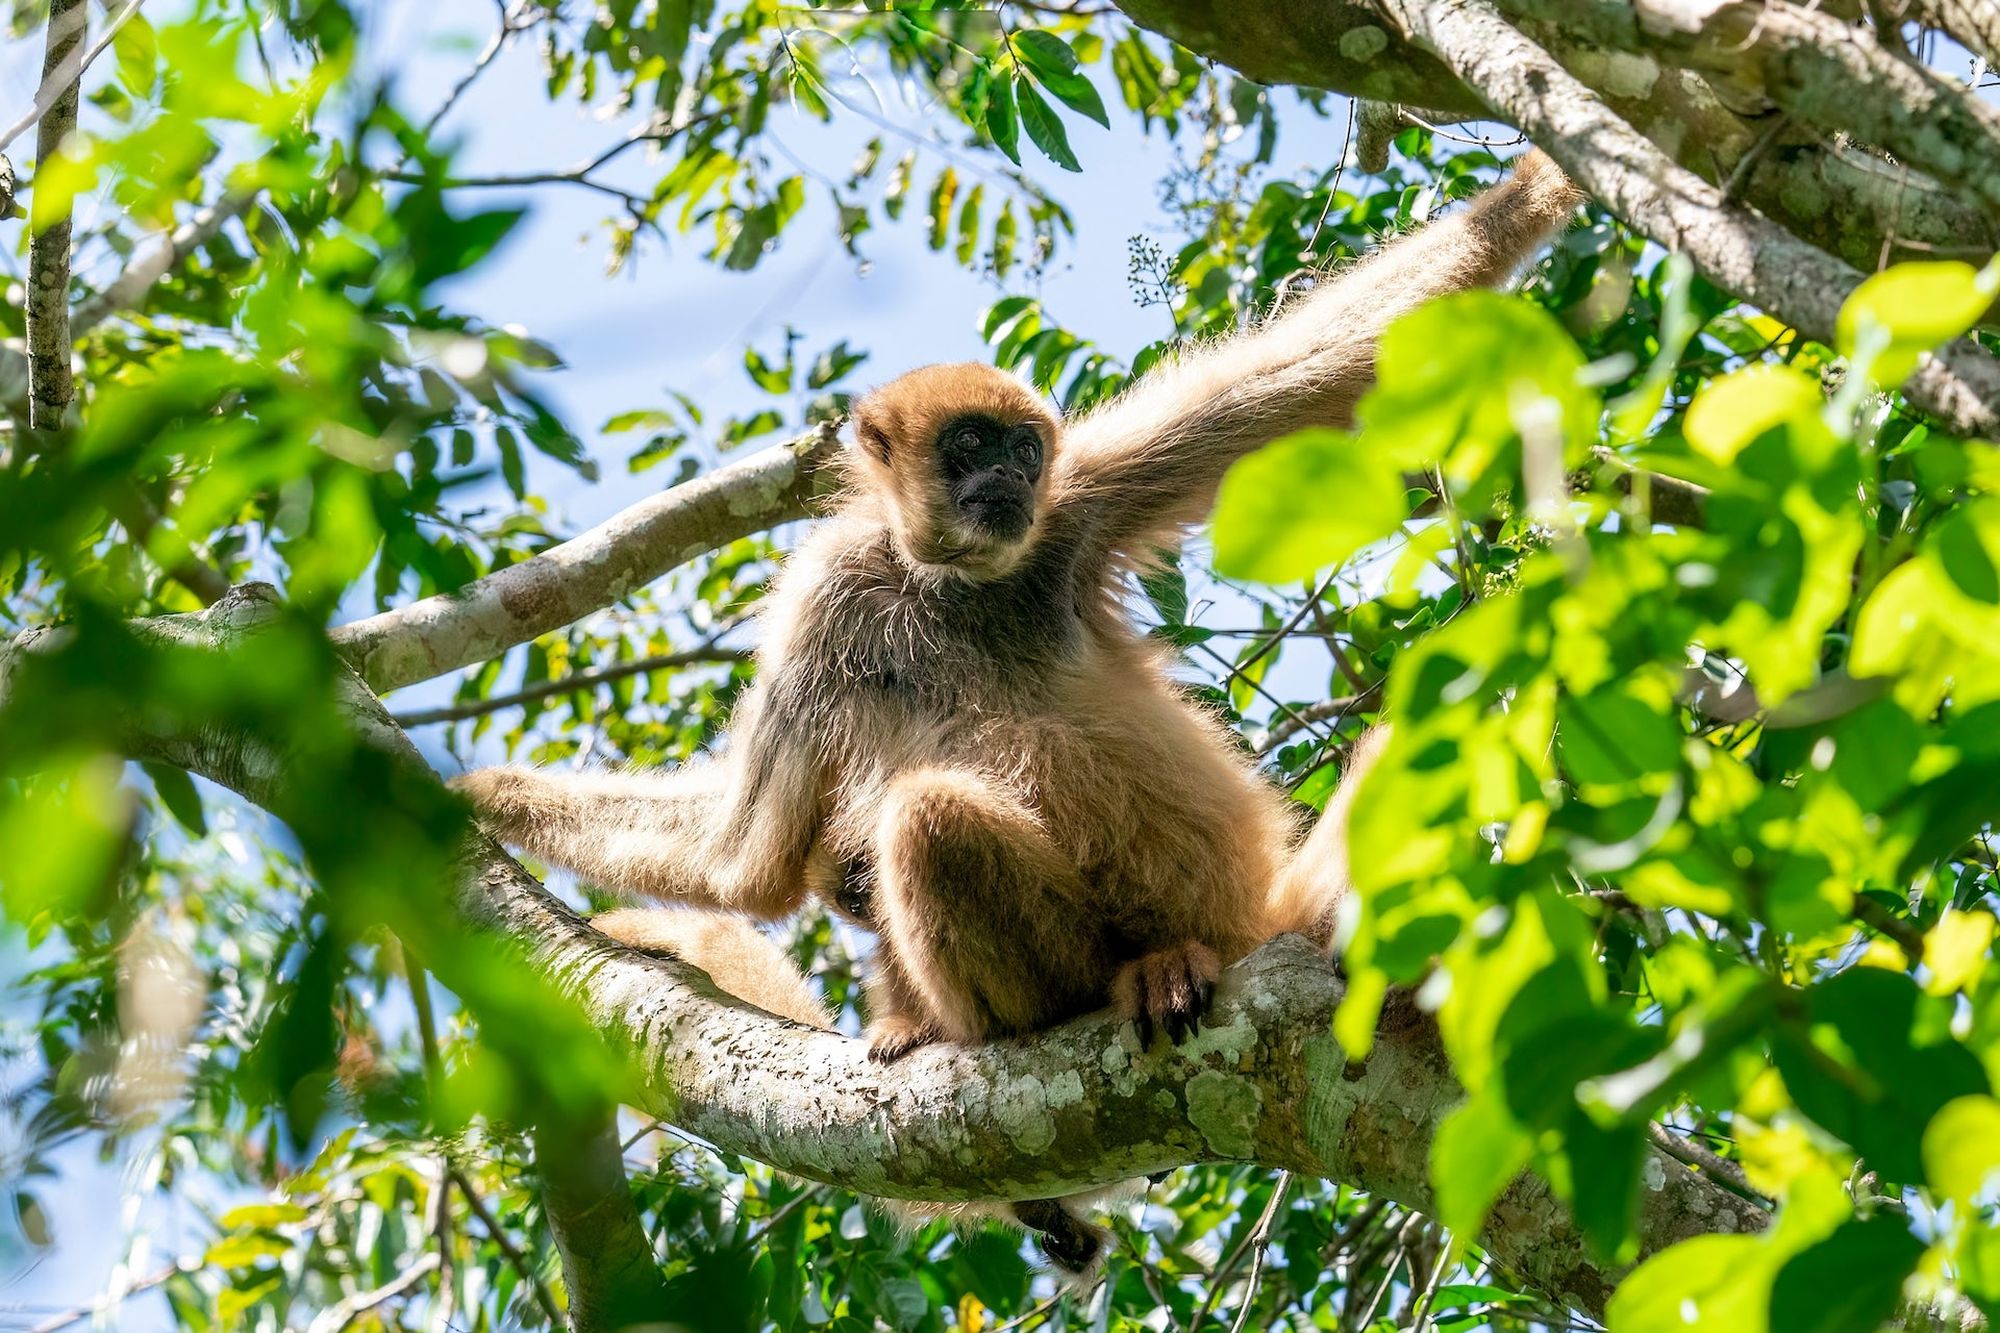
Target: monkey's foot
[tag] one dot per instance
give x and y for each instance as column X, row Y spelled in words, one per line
column 890, row 1039
column 1170, row 987
column 1071, row 1244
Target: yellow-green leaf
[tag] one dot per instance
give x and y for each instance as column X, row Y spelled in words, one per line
column 1732, row 411
column 1917, row 307
column 1962, row 1146
column 1308, row 501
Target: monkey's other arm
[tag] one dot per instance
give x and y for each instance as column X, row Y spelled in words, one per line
column 1145, row 466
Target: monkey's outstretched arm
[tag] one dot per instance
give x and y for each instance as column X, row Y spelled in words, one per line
column 735, row 834
column 1135, row 472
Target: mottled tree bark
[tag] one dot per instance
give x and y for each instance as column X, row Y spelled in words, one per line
column 50, row 386
column 1849, row 202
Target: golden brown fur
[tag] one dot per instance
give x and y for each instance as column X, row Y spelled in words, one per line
column 1050, row 824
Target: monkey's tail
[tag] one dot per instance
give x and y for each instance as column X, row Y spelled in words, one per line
column 744, row 961
column 1306, row 899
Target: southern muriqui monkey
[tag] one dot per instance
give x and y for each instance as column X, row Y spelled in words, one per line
column 949, row 697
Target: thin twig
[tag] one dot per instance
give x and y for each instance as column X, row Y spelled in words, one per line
column 1885, row 922
column 110, row 1300
column 1326, row 710
column 1422, row 1306
column 61, row 80
column 1260, row 1242
column 344, row 1312
column 1220, row 1279
column 783, row 1211
column 508, row 27
column 543, row 1297
column 1703, row 1158
column 581, row 680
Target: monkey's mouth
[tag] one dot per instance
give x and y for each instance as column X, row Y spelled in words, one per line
column 999, row 511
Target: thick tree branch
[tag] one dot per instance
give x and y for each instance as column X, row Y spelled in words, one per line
column 592, row 571
column 1829, row 74
column 1839, row 198
column 50, row 386
column 1076, row 1107
column 608, row 1264
column 1975, row 24
column 1739, row 251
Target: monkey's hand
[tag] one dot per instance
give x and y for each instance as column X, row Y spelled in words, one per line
column 1170, row 987
column 893, row 1036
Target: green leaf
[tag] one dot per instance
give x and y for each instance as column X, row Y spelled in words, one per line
column 1732, row 411
column 1478, row 1151
column 833, row 364
column 1962, row 1147
column 1912, row 308
column 1460, row 380
column 771, row 379
column 137, row 48
column 1053, row 65
column 1003, row 124
column 1709, row 1282
column 512, row 467
column 1302, row 503
column 1881, row 1063
column 177, row 792
column 1848, row 1283
column 1045, row 128
column 942, row 193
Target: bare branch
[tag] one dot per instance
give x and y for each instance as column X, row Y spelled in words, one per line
column 614, row 1281
column 350, row 1308
column 128, row 291
column 1975, row 24
column 592, row 571
column 498, row 1235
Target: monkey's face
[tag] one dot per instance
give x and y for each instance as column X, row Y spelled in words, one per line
column 991, row 473
column 960, row 452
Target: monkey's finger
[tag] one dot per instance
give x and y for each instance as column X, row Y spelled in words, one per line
column 1207, row 995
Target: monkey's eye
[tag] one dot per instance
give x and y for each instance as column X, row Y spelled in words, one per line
column 967, row 439
column 1027, row 448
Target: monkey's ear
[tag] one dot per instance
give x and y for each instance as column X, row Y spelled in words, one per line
column 868, row 433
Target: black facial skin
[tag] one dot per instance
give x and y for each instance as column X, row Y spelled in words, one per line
column 990, row 471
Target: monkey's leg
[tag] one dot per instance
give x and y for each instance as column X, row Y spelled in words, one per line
column 983, row 912
column 897, row 1022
